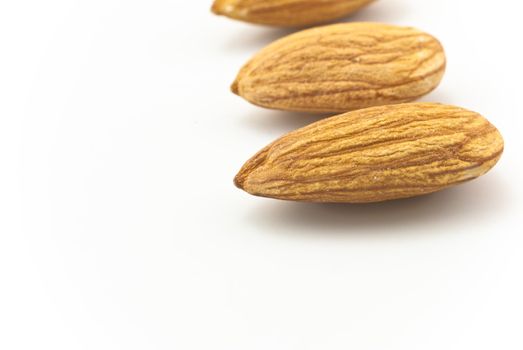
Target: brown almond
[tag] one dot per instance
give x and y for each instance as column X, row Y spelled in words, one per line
column 287, row 13
column 343, row 67
column 375, row 154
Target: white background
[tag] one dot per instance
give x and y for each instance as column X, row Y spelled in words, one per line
column 121, row 228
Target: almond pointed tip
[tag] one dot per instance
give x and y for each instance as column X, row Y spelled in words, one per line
column 239, row 180
column 235, row 87
column 216, row 8
column 242, row 180
column 219, row 7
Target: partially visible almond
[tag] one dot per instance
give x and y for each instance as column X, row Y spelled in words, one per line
column 287, row 13
column 343, row 67
column 375, row 154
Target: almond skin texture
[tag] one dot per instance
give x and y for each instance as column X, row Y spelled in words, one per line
column 287, row 13
column 374, row 155
column 343, row 67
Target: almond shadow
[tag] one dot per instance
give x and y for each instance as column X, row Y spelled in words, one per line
column 254, row 37
column 459, row 208
column 278, row 122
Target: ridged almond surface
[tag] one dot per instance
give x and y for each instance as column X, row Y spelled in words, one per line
column 375, row 154
column 287, row 13
column 343, row 67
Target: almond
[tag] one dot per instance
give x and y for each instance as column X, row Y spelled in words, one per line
column 375, row 154
column 287, row 13
column 343, row 67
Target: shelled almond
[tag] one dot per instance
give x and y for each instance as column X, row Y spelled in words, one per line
column 287, row 13
column 343, row 67
column 375, row 154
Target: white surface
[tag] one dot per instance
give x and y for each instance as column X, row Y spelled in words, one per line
column 121, row 228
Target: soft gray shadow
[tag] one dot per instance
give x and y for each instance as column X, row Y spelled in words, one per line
column 254, row 37
column 441, row 95
column 270, row 121
column 459, row 208
column 386, row 11
column 267, row 120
